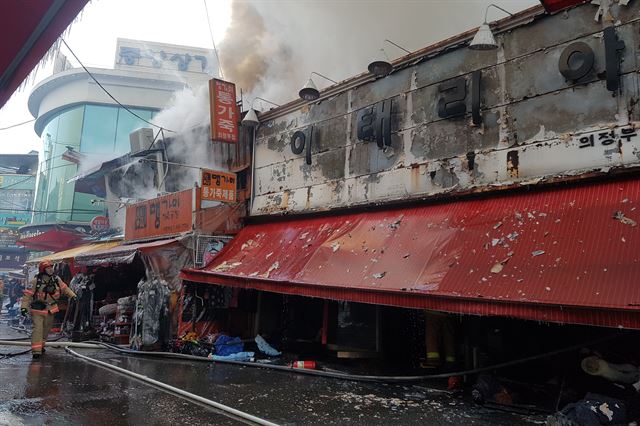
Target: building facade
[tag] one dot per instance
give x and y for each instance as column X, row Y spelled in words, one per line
column 82, row 126
column 495, row 182
column 17, row 189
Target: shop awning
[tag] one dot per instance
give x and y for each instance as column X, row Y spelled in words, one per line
column 567, row 255
column 28, row 30
column 122, row 253
column 55, row 239
column 81, row 250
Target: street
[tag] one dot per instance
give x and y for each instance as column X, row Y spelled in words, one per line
column 61, row 389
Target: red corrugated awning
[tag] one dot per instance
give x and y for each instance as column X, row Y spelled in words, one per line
column 556, row 255
column 28, row 30
column 54, row 239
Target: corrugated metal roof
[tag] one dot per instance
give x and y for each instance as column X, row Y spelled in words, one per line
column 553, row 255
column 123, row 253
column 72, row 253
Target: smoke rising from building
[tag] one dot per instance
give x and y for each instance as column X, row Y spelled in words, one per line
column 271, row 47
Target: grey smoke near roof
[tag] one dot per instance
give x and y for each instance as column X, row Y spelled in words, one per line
column 272, row 45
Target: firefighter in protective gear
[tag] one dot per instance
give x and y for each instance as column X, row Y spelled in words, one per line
column 42, row 297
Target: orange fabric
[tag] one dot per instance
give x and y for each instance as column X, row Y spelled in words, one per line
column 28, row 292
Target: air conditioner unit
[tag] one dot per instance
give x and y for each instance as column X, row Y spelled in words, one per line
column 141, row 139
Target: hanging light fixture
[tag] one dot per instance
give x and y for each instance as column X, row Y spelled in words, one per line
column 251, row 117
column 382, row 67
column 310, row 92
column 484, row 40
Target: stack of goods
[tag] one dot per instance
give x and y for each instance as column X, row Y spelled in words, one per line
column 124, row 314
column 189, row 344
column 107, row 323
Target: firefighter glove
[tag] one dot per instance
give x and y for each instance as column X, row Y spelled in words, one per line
column 24, row 312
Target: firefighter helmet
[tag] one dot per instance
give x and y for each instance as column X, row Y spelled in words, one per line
column 44, row 265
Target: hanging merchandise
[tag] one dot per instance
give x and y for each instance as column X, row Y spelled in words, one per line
column 151, row 319
column 83, row 286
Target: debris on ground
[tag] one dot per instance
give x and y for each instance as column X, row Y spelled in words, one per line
column 537, row 253
column 623, row 219
column 594, row 409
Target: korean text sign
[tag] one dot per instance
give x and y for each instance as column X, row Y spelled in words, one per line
column 218, row 186
column 166, row 215
column 224, row 111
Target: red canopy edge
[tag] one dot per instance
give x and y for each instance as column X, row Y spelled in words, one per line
column 564, row 254
column 29, row 30
column 536, row 312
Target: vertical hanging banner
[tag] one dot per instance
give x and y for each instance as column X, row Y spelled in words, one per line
column 218, row 186
column 224, row 111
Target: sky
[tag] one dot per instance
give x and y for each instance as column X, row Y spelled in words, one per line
column 287, row 39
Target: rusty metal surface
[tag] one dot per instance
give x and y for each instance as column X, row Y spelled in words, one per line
column 553, row 255
column 533, row 119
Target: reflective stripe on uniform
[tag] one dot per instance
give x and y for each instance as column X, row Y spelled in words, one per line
column 433, row 355
column 54, row 309
column 37, row 346
column 28, row 292
column 450, row 358
column 39, row 312
column 62, row 285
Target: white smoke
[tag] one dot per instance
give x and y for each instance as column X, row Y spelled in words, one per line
column 188, row 119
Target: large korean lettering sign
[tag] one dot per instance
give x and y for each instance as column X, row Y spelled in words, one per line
column 166, row 215
column 224, row 111
column 218, row 186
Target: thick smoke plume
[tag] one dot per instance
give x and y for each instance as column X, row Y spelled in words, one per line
column 272, row 46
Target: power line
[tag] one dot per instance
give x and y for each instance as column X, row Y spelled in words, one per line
column 109, row 94
column 215, row 50
column 52, row 211
column 2, row 188
column 16, row 125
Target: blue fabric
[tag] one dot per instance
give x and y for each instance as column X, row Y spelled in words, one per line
column 266, row 348
column 226, row 345
column 239, row 356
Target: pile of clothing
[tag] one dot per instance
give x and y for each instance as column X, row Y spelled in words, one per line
column 221, row 347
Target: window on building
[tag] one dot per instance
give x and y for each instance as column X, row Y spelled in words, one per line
column 99, row 130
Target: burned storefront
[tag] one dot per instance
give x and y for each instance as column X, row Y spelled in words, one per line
column 483, row 201
column 176, row 200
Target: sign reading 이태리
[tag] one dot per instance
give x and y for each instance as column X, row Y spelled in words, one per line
column 224, row 111
column 218, row 186
column 166, row 215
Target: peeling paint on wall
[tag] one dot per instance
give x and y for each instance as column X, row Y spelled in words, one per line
column 536, row 126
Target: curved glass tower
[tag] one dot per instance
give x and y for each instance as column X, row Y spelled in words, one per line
column 100, row 132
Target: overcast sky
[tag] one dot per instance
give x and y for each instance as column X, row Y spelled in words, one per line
column 343, row 27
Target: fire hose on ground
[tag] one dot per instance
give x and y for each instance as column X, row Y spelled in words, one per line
column 357, row 377
column 328, row 374
column 338, row 375
column 184, row 394
column 320, row 373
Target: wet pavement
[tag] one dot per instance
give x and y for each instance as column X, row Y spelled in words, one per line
column 60, row 389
